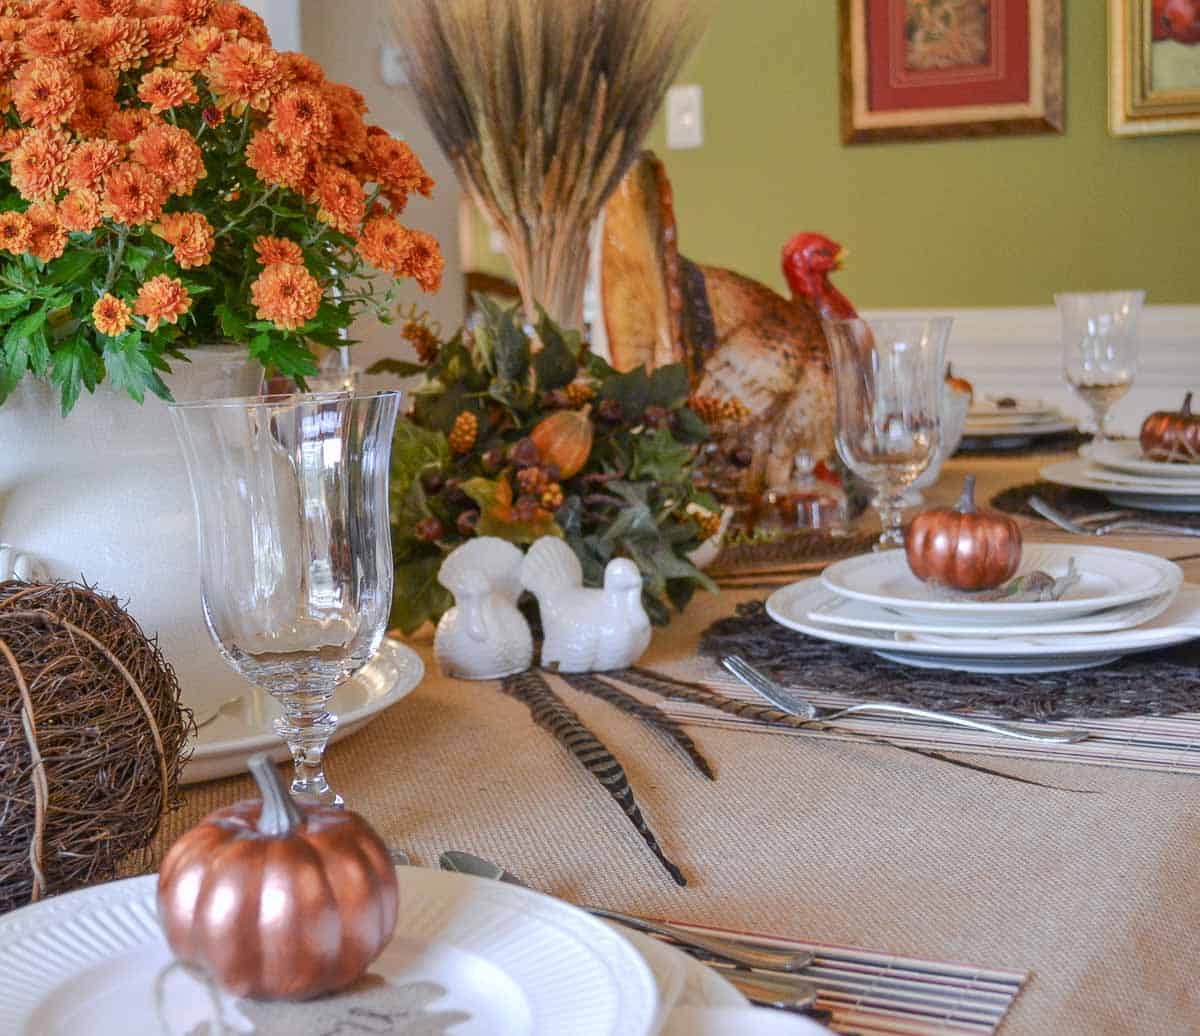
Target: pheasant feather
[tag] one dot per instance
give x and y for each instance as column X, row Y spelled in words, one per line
column 551, row 713
column 648, row 714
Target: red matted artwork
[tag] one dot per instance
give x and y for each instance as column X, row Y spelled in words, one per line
column 930, row 69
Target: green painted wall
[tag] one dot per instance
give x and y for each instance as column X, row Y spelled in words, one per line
column 998, row 222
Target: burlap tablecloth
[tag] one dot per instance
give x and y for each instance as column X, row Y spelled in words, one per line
column 1098, row 895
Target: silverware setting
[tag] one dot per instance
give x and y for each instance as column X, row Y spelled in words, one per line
column 1104, row 523
column 791, row 702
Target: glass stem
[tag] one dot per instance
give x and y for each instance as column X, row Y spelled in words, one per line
column 891, row 520
column 306, row 726
column 1099, row 413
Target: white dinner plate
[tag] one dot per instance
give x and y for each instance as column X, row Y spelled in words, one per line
column 1108, row 578
column 224, row 745
column 1125, row 490
column 835, row 610
column 1180, row 623
column 990, row 407
column 512, row 960
column 1126, row 455
column 993, row 429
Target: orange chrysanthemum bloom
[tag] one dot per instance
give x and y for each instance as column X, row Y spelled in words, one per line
column 396, row 168
column 12, row 56
column 344, row 94
column 233, row 17
column 287, row 295
column 91, row 115
column 188, row 10
column 166, row 88
column 340, row 199
column 10, row 140
column 39, row 166
column 56, row 9
column 96, row 77
column 11, row 27
column 172, row 153
column 133, row 194
column 194, row 52
column 191, row 234
column 244, row 73
column 160, row 300
column 46, row 91
column 16, row 232
column 93, row 10
column 384, row 243
column 348, row 140
column 300, row 114
column 126, row 125
column 52, row 39
column 90, row 163
column 121, row 43
column 300, row 68
column 164, row 33
column 275, row 159
column 47, row 239
column 277, row 250
column 79, row 211
column 111, row 315
column 424, row 262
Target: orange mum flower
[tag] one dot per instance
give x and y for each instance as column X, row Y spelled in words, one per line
column 79, row 211
column 194, row 52
column 162, row 299
column 300, row 68
column 126, row 125
column 56, row 9
column 384, row 243
column 287, row 295
column 343, row 94
column 191, row 234
column 277, row 250
column 396, row 168
column 16, row 232
column 96, row 77
column 111, row 315
column 46, row 91
column 232, row 17
column 188, row 10
column 47, row 239
column 164, row 33
column 121, row 43
column 340, row 198
column 172, row 153
column 12, row 56
column 244, row 73
column 166, row 88
column 133, row 194
column 39, row 166
column 349, row 137
column 10, row 140
column 424, row 262
column 275, row 159
column 91, row 115
column 93, row 10
column 300, row 114
column 90, row 163
column 50, row 39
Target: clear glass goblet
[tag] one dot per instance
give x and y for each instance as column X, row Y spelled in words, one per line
column 1100, row 347
column 291, row 502
column 890, row 397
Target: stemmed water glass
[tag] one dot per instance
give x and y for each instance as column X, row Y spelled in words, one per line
column 291, row 503
column 890, row 395
column 1100, row 347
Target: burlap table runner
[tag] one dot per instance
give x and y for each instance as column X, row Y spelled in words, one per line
column 815, row 838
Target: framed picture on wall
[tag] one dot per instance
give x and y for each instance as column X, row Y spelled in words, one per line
column 931, row 69
column 1154, row 66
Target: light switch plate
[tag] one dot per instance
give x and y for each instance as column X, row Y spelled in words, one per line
column 685, row 117
column 392, row 69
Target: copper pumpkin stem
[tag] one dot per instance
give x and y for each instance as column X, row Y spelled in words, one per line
column 966, row 502
column 280, row 815
column 1186, row 409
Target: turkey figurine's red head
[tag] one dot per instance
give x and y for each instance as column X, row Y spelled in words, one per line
column 808, row 259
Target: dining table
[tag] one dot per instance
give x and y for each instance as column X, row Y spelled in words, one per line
column 1096, row 895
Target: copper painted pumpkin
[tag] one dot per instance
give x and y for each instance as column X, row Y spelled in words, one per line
column 962, row 547
column 564, row 439
column 278, row 901
column 1173, row 436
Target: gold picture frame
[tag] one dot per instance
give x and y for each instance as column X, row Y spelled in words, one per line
column 1150, row 89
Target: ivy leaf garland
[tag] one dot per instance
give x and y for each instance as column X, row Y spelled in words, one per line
column 464, row 464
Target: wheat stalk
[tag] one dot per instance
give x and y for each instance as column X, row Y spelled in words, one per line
column 541, row 106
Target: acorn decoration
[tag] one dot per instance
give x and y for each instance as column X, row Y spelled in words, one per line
column 953, row 381
column 277, row 900
column 564, row 439
column 962, row 547
column 1173, row 435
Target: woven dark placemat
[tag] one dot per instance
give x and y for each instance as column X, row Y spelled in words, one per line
column 1158, row 683
column 796, row 548
column 988, row 446
column 1075, row 503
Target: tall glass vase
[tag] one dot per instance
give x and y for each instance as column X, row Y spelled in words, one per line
column 291, row 505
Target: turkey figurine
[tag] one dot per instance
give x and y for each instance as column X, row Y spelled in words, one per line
column 586, row 630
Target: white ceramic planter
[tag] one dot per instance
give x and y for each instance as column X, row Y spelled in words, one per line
column 103, row 495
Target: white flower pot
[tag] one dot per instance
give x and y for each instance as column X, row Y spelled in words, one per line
column 103, row 496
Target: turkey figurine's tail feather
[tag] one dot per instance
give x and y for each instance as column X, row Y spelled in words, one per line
column 550, row 565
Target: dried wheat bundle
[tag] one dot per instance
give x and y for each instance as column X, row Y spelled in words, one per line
column 541, row 106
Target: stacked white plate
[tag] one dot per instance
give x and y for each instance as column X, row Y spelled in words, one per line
column 1007, row 423
column 1124, row 602
column 1117, row 469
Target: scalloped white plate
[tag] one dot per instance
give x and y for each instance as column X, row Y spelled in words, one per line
column 1126, row 455
column 516, row 962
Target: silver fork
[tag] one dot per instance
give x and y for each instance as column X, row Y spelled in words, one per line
column 1053, row 515
column 788, row 700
